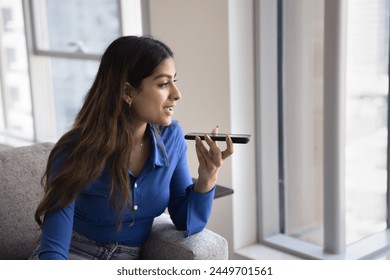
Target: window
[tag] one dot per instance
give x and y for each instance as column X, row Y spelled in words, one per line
column 7, row 18
column 70, row 79
column 43, row 85
column 330, row 93
column 16, row 111
column 10, row 57
column 366, row 118
column 68, row 39
column 301, row 111
column 75, row 26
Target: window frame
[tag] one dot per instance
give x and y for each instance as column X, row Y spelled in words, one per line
column 9, row 133
column 35, row 19
column 270, row 200
column 43, row 108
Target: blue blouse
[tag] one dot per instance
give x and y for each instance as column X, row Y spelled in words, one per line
column 164, row 181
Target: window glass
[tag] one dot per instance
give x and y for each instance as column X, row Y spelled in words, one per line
column 15, row 82
column 71, row 79
column 367, row 127
column 303, row 32
column 366, row 118
column 6, row 18
column 73, row 26
column 85, row 26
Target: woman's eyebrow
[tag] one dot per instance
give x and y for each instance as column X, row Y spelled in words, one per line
column 163, row 75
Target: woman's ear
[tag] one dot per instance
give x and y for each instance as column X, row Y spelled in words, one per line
column 127, row 93
column 127, row 88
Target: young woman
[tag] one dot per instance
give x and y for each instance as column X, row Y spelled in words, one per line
column 124, row 161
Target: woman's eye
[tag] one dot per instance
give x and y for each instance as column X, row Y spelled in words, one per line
column 165, row 84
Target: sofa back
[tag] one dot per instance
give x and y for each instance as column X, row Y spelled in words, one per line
column 21, row 170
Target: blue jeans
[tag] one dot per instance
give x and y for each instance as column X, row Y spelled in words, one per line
column 82, row 248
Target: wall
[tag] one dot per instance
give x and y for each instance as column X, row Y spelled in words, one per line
column 212, row 42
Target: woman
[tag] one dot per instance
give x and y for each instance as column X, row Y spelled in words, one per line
column 124, row 161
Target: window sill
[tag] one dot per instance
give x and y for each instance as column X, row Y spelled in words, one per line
column 263, row 252
column 283, row 247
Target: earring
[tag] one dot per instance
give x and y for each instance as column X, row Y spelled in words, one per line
column 128, row 101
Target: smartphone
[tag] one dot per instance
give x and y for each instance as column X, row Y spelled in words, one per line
column 236, row 138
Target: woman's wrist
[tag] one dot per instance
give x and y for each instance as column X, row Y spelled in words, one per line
column 203, row 187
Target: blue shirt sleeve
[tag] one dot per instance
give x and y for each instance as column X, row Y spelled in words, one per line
column 189, row 210
column 58, row 225
column 57, row 234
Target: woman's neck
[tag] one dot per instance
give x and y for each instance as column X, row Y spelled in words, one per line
column 139, row 134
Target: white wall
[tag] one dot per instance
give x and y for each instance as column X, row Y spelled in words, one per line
column 213, row 46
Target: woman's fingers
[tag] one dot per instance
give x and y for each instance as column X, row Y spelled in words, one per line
column 213, row 155
column 198, row 149
column 214, row 152
column 202, row 152
column 215, row 130
column 229, row 148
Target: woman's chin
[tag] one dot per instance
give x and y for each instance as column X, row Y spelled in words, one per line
column 165, row 122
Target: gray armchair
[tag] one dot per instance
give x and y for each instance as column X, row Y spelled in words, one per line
column 20, row 191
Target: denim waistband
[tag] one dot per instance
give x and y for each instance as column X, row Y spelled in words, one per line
column 83, row 247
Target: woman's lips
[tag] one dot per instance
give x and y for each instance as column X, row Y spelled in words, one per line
column 169, row 110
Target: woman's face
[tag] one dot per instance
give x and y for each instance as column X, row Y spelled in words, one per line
column 154, row 102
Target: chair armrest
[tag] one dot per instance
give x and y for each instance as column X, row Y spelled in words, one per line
column 21, row 170
column 167, row 243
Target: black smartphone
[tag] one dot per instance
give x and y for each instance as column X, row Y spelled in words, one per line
column 236, row 138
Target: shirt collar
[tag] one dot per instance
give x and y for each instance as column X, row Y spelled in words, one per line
column 159, row 153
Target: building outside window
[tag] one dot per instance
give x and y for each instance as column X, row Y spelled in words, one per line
column 16, row 119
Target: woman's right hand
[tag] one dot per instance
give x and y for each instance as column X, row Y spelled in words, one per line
column 210, row 161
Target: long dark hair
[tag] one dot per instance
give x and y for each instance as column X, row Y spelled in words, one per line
column 101, row 134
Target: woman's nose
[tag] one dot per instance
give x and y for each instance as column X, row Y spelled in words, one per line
column 175, row 93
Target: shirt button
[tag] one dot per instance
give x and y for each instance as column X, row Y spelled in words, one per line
column 135, row 185
column 135, row 207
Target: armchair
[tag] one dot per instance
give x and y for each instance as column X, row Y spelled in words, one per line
column 20, row 191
